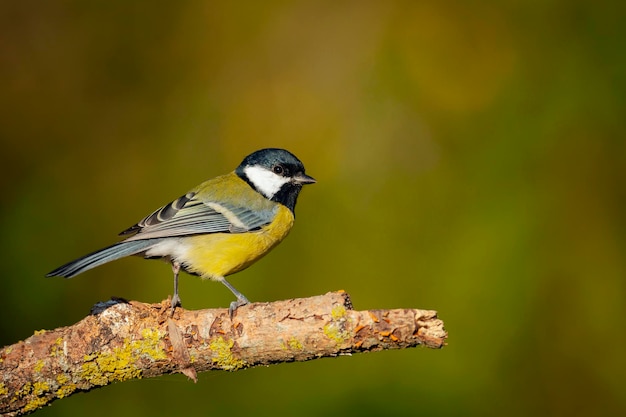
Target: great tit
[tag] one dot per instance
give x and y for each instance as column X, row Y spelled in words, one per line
column 220, row 227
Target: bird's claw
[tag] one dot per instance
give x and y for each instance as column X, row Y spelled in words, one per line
column 175, row 303
column 235, row 305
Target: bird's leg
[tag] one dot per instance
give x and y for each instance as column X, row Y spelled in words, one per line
column 175, row 297
column 241, row 299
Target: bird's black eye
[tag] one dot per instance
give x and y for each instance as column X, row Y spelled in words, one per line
column 277, row 169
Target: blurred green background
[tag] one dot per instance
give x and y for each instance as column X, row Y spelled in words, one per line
column 470, row 158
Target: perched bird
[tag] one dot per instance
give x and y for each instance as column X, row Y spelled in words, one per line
column 220, row 227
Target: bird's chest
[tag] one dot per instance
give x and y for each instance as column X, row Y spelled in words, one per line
column 222, row 254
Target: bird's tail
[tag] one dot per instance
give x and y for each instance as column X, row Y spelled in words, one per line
column 102, row 256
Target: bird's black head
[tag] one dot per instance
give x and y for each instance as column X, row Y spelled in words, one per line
column 275, row 173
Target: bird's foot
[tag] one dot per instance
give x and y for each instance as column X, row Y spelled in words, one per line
column 242, row 301
column 175, row 303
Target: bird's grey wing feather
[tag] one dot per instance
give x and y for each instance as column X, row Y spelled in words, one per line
column 188, row 215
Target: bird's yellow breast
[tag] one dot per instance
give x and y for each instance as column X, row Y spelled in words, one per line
column 221, row 254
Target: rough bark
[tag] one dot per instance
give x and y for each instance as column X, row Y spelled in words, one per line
column 129, row 340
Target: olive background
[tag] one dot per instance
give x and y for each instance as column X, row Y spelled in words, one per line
column 470, row 159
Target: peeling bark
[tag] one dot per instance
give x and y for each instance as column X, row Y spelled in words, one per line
column 128, row 340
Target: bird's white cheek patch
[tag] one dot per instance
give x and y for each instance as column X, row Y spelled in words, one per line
column 265, row 181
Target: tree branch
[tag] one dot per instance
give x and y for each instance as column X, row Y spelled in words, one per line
column 127, row 340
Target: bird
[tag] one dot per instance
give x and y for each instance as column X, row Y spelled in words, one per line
column 220, row 227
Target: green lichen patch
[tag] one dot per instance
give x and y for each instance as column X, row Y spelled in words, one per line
column 37, row 391
column 56, row 348
column 334, row 332
column 224, row 358
column 150, row 344
column 3, row 389
column 338, row 312
column 65, row 387
column 35, row 403
column 335, row 329
column 102, row 368
column 62, row 379
column 40, row 387
column 65, row 390
column 25, row 390
column 294, row 344
column 38, row 366
column 120, row 364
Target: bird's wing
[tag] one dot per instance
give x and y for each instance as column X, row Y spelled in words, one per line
column 188, row 215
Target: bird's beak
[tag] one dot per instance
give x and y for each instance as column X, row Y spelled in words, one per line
column 304, row 179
